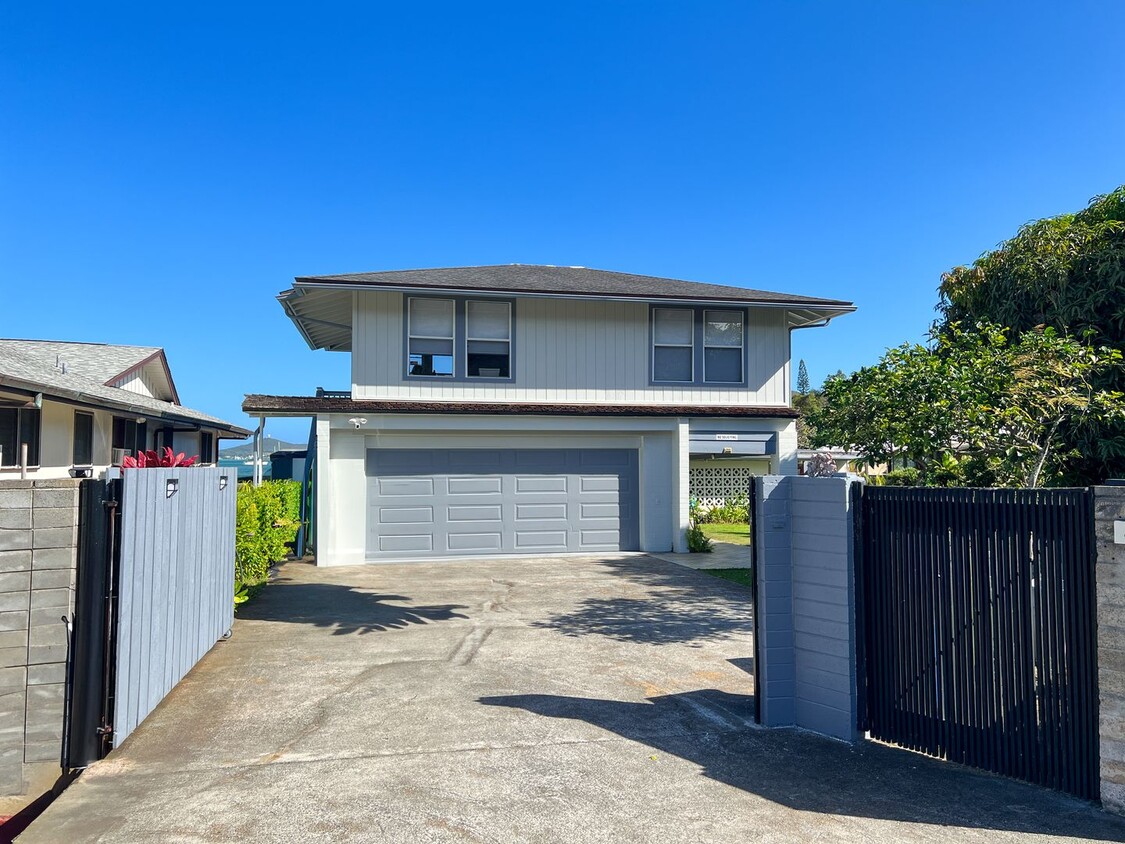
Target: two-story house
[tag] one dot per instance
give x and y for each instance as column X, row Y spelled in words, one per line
column 535, row 410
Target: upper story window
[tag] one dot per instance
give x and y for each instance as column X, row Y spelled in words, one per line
column 431, row 327
column 698, row 346
column 19, row 426
column 488, row 339
column 722, row 346
column 459, row 338
column 673, row 342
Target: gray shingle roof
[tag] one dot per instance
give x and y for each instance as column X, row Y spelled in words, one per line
column 533, row 278
column 321, row 306
column 30, row 365
column 94, row 360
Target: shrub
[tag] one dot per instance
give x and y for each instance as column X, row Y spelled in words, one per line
column 733, row 511
column 151, row 460
column 697, row 540
column 903, row 477
column 266, row 521
column 250, row 562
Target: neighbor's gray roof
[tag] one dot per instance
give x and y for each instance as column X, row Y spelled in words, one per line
column 29, row 365
column 94, row 360
column 323, row 316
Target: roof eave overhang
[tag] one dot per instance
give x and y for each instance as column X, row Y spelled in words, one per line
column 800, row 314
column 78, row 397
column 302, row 406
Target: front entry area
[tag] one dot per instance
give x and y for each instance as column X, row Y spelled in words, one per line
column 468, row 502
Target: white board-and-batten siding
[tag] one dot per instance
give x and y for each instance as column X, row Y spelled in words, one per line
column 144, row 382
column 566, row 351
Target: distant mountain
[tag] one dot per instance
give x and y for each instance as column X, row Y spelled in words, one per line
column 269, row 446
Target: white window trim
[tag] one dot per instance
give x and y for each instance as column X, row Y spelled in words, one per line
column 690, row 345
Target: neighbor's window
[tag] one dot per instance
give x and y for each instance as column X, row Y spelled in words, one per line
column 673, row 334
column 488, row 339
column 83, row 454
column 430, row 340
column 722, row 347
column 206, row 447
column 19, row 426
column 130, row 435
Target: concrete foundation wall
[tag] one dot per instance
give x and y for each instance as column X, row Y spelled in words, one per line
column 38, row 542
column 806, row 604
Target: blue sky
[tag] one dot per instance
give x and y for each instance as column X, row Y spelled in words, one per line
column 166, row 170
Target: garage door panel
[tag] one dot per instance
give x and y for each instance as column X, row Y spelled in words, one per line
column 527, row 512
column 526, row 485
column 411, row 542
column 401, row 515
column 474, row 486
column 466, row 502
column 599, row 538
column 541, row 460
column 599, row 483
column 483, row 461
column 478, row 513
column 395, row 462
column 475, row 541
column 392, row 487
column 551, row 540
column 607, row 510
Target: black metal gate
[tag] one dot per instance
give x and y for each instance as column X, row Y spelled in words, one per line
column 977, row 629
column 91, row 662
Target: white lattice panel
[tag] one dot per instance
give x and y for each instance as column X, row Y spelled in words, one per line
column 712, row 485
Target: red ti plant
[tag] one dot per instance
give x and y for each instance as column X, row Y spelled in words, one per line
column 152, row 460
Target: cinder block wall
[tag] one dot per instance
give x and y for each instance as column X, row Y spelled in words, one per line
column 1109, row 504
column 38, row 548
column 806, row 602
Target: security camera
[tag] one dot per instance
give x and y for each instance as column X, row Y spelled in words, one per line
column 358, row 422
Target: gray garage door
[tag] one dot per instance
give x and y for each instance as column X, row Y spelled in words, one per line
column 464, row 502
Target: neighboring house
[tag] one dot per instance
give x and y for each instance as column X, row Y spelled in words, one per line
column 75, row 409
column 534, row 409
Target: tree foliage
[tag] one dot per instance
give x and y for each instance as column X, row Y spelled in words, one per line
column 807, row 404
column 802, row 378
column 981, row 406
column 1067, row 273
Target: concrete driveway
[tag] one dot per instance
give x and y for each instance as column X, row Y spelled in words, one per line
column 566, row 700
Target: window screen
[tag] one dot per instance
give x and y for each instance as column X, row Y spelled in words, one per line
column 488, row 339
column 673, row 331
column 722, row 346
column 430, row 341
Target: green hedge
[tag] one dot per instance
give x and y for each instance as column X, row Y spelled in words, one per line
column 267, row 520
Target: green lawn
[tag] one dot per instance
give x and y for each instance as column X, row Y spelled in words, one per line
column 735, row 534
column 739, row 576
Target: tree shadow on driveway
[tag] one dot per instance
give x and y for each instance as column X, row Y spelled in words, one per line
column 664, row 604
column 343, row 609
column 812, row 774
